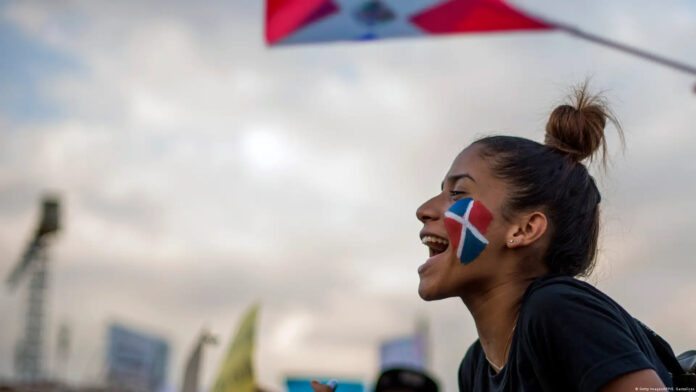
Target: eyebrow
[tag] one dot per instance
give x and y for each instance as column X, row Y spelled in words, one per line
column 456, row 177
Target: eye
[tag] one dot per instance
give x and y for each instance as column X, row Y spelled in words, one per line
column 454, row 194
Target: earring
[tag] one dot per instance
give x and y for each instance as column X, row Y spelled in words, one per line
column 511, row 241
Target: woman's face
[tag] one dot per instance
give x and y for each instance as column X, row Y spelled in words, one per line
column 443, row 275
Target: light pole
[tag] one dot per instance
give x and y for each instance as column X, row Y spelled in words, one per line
column 29, row 350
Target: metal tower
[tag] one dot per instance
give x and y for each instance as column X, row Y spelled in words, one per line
column 34, row 261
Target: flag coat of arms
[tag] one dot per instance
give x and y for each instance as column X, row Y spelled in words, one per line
column 466, row 223
column 303, row 21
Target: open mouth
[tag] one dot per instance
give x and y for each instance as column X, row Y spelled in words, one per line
column 436, row 245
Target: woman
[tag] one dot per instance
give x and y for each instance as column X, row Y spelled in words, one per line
column 529, row 214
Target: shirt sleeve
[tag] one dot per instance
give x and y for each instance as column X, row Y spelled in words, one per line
column 579, row 338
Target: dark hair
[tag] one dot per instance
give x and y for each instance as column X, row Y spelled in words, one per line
column 551, row 177
column 399, row 379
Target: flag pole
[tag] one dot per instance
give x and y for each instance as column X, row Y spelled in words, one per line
column 576, row 32
column 625, row 48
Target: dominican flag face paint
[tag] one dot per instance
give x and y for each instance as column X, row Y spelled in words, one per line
column 466, row 223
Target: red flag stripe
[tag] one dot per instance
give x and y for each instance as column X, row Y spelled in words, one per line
column 283, row 17
column 454, row 230
column 475, row 15
column 480, row 217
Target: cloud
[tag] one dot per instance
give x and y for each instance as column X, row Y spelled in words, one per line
column 201, row 172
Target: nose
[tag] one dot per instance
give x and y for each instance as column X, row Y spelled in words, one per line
column 428, row 211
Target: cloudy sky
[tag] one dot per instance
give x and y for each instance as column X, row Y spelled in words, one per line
column 201, row 171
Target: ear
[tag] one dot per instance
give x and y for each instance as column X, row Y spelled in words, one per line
column 529, row 229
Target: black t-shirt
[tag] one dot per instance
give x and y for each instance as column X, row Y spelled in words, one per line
column 569, row 337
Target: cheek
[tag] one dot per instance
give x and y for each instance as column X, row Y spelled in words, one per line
column 467, row 223
column 497, row 232
column 454, row 231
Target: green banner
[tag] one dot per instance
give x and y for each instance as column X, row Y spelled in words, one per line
column 237, row 372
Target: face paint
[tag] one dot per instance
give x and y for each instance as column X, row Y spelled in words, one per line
column 466, row 223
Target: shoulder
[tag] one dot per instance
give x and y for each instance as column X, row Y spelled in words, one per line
column 471, row 357
column 560, row 292
column 467, row 367
column 561, row 301
column 574, row 334
column 558, row 284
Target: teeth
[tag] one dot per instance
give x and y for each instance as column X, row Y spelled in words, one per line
column 429, row 238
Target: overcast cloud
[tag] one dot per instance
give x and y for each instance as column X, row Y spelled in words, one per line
column 201, row 171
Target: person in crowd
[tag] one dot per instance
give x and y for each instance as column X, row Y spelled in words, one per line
column 405, row 380
column 514, row 226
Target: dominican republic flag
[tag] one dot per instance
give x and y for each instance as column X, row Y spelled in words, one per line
column 466, row 223
column 304, row 21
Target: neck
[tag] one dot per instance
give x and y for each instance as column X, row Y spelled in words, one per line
column 495, row 309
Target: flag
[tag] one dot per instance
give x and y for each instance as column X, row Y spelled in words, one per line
column 193, row 364
column 237, row 372
column 466, row 223
column 303, row 21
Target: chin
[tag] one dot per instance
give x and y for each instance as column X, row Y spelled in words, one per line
column 429, row 293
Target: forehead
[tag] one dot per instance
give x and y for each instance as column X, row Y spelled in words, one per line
column 484, row 186
column 469, row 161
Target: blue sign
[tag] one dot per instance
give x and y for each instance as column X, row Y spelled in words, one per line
column 136, row 360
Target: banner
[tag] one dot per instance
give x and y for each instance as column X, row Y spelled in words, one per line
column 304, row 21
column 236, row 373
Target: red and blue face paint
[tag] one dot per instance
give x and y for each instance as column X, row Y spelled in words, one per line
column 466, row 223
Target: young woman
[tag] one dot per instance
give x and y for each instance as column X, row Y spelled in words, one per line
column 515, row 224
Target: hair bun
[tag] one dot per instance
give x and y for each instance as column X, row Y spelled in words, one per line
column 578, row 129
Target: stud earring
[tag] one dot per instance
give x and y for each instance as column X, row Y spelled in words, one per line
column 511, row 241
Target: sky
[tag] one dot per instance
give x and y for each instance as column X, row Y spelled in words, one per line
column 201, row 172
